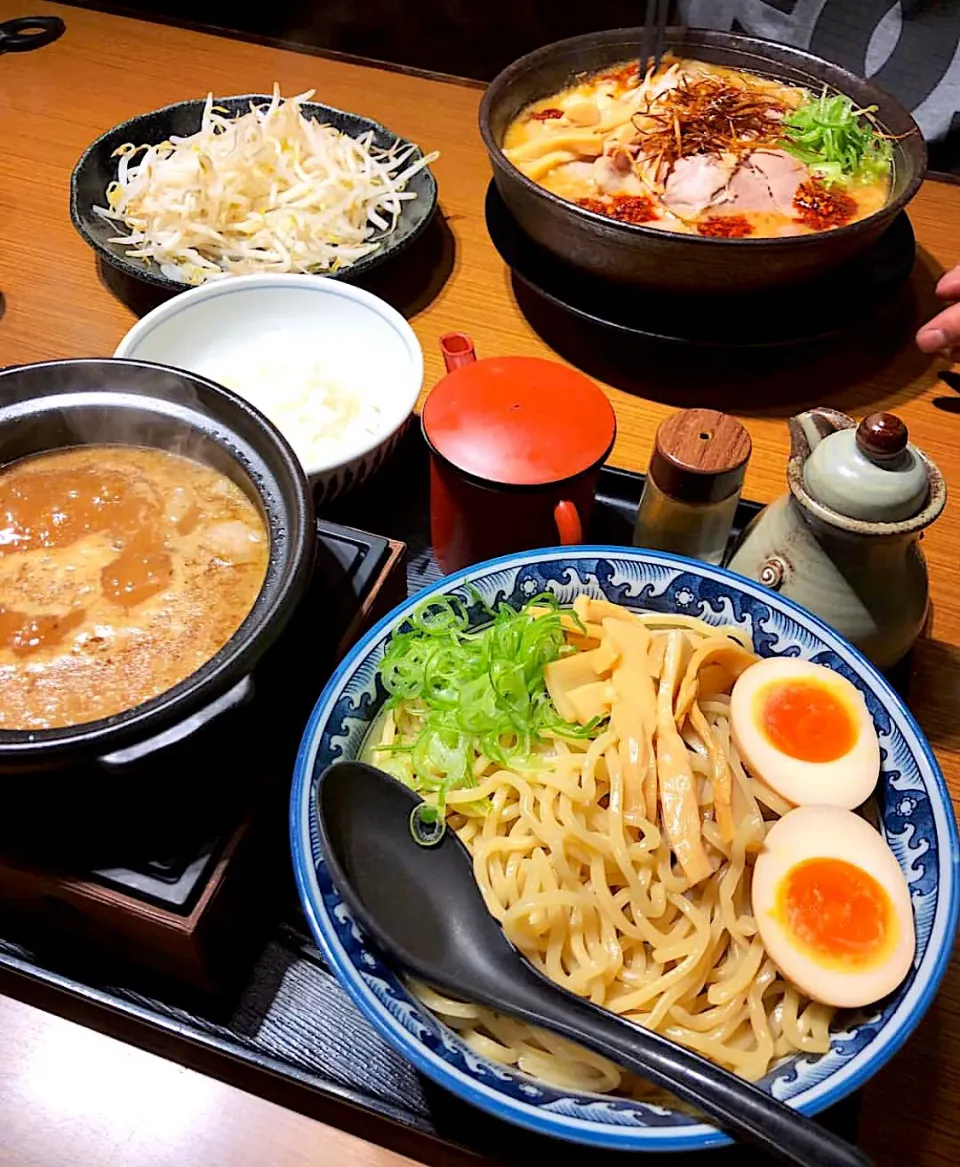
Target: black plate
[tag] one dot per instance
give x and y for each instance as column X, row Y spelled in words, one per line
column 799, row 314
column 97, row 167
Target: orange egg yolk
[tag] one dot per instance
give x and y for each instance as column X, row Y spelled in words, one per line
column 807, row 721
column 836, row 911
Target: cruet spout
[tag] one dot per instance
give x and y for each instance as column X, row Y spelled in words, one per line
column 457, row 349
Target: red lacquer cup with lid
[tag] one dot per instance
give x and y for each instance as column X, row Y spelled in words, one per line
column 516, row 447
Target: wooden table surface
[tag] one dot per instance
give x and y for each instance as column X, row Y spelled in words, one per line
column 66, row 1093
column 71, row 1097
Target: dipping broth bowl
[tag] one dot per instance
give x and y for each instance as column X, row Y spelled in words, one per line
column 61, row 404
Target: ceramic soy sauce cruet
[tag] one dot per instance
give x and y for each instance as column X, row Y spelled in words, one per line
column 844, row 542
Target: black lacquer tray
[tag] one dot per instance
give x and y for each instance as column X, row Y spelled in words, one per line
column 291, row 1021
column 761, row 321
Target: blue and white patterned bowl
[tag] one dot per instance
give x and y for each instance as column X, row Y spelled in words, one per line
column 917, row 819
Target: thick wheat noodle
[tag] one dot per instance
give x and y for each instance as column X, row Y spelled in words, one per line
column 593, row 895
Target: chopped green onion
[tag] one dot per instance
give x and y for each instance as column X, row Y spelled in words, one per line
column 473, row 693
column 427, row 825
column 836, row 140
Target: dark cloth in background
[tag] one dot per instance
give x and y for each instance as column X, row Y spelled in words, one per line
column 910, row 47
column 468, row 38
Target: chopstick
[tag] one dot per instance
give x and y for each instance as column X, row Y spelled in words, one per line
column 651, row 41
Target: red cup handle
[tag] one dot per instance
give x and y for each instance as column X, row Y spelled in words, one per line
column 568, row 523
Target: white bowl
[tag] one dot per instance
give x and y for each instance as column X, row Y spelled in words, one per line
column 358, row 337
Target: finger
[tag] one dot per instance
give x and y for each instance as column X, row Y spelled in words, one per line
column 949, row 285
column 942, row 332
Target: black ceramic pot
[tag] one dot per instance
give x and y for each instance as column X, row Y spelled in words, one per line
column 652, row 258
column 68, row 403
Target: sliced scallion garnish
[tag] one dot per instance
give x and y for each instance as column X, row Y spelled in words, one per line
column 427, row 824
column 837, row 140
column 472, row 693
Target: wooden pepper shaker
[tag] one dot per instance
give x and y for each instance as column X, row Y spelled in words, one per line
column 693, row 485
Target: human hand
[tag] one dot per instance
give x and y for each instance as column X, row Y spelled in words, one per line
column 943, row 332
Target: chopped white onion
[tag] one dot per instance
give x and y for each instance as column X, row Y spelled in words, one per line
column 269, row 191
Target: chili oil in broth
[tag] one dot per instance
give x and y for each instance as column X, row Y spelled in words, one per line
column 600, row 143
column 122, row 571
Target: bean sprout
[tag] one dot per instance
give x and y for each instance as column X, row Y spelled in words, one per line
column 269, row 191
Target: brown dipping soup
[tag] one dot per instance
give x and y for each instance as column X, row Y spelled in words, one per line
column 122, row 571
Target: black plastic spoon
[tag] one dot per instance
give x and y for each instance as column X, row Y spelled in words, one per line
column 423, row 907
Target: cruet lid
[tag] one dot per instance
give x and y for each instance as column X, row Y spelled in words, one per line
column 871, row 472
column 516, row 421
column 700, row 455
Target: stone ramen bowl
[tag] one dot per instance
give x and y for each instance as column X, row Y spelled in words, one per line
column 652, row 258
column 913, row 807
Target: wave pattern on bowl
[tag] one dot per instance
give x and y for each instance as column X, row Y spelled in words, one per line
column 914, row 807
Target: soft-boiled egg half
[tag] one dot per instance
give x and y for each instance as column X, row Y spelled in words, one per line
column 832, row 906
column 806, row 732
